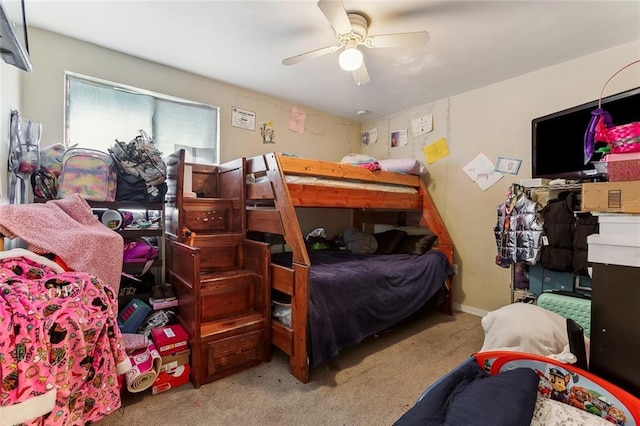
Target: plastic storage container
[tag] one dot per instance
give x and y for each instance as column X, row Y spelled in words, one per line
column 614, row 250
column 623, row 167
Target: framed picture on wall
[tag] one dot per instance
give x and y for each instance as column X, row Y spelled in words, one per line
column 508, row 165
column 243, row 118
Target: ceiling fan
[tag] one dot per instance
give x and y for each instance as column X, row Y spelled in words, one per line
column 352, row 30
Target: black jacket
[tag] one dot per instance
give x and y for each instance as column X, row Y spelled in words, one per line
column 565, row 246
column 586, row 224
column 558, row 225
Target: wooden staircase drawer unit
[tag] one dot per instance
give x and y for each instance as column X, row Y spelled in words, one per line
column 234, row 353
column 207, row 215
column 227, row 294
column 219, row 251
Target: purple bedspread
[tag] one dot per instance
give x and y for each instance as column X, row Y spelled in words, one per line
column 356, row 296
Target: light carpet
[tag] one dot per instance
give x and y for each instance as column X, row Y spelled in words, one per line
column 373, row 383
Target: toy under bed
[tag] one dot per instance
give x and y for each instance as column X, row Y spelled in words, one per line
column 518, row 377
column 515, row 388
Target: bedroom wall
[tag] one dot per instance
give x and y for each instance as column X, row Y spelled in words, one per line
column 495, row 120
column 325, row 137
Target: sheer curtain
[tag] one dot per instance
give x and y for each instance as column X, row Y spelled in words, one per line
column 98, row 113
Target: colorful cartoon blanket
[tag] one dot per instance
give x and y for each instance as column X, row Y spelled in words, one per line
column 60, row 347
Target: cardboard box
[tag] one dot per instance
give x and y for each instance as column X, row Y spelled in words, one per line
column 169, row 339
column 173, row 361
column 162, row 305
column 623, row 167
column 611, row 197
column 171, row 380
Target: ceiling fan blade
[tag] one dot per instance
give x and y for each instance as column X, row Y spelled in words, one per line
column 312, row 54
column 336, row 15
column 397, row 40
column 361, row 76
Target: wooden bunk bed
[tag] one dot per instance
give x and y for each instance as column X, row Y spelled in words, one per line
column 271, row 209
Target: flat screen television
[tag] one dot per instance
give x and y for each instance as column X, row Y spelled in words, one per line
column 14, row 43
column 557, row 140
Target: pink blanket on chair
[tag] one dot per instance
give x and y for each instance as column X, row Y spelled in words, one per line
column 68, row 228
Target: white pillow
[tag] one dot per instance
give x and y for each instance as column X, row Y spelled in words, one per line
column 403, row 165
column 357, row 159
column 526, row 328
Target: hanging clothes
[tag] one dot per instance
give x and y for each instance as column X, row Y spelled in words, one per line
column 518, row 230
column 24, row 155
column 559, row 226
column 565, row 246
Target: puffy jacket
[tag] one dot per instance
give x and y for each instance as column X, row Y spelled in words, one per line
column 518, row 231
column 565, row 246
column 559, row 225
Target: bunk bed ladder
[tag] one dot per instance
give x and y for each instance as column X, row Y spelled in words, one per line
column 268, row 211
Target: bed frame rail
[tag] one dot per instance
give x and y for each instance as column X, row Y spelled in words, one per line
column 302, row 167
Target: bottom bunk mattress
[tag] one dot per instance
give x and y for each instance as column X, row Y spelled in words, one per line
column 354, row 296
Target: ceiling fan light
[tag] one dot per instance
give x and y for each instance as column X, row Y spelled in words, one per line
column 350, row 59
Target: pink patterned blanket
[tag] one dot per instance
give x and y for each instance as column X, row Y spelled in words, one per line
column 68, row 228
column 60, row 347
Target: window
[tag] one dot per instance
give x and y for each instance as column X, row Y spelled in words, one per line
column 98, row 112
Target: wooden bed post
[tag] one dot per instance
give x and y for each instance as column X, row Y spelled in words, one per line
column 357, row 220
column 432, row 219
column 299, row 362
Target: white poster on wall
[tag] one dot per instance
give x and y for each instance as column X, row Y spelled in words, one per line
column 243, row 119
column 482, row 171
column 369, row 137
column 422, row 125
column 399, row 138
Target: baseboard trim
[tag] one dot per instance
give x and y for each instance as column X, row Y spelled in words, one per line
column 470, row 310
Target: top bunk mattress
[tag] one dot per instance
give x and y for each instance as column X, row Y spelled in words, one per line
column 335, row 183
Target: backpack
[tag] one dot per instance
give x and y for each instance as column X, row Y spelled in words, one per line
column 135, row 189
column 140, row 157
column 140, row 169
column 51, row 158
column 44, row 185
column 140, row 251
column 88, row 172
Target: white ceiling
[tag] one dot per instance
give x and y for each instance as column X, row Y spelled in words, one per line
column 473, row 43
